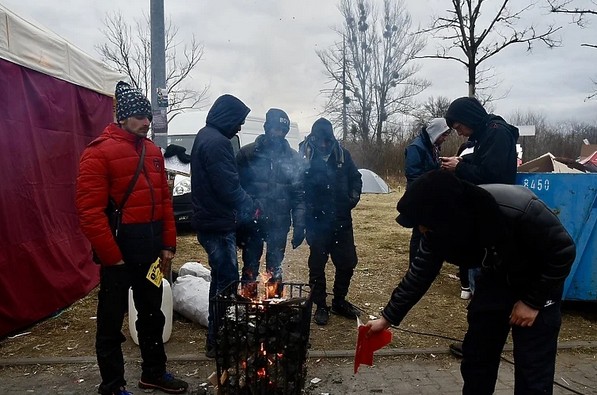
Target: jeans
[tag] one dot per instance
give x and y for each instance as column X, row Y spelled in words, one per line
column 253, row 250
column 222, row 259
column 112, row 306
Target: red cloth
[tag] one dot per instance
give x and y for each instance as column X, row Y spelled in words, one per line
column 45, row 261
column 107, row 167
column 366, row 346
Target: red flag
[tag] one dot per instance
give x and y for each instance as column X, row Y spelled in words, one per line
column 367, row 345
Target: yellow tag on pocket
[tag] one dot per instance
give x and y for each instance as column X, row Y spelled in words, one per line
column 155, row 274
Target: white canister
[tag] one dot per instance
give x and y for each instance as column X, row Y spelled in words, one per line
column 166, row 310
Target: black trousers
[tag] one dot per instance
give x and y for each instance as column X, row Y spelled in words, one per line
column 112, row 306
column 535, row 347
column 339, row 244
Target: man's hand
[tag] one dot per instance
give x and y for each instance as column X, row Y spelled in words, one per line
column 298, row 236
column 523, row 314
column 166, row 257
column 376, row 326
column 450, row 163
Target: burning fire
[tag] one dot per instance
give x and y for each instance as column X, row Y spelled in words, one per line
column 271, row 289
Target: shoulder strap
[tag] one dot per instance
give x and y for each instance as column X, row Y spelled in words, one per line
column 135, row 177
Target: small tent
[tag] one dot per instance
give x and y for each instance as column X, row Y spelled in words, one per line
column 55, row 99
column 372, row 183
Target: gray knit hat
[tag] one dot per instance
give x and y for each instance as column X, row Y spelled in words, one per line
column 131, row 102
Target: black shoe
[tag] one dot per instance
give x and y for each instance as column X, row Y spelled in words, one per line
column 210, row 350
column 119, row 391
column 345, row 309
column 456, row 349
column 166, row 383
column 322, row 315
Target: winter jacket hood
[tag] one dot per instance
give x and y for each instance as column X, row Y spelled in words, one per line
column 468, row 111
column 435, row 128
column 227, row 114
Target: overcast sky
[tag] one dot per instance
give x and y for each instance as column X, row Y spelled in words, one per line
column 263, row 51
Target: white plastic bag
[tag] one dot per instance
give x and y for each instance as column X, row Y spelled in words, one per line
column 196, row 269
column 191, row 298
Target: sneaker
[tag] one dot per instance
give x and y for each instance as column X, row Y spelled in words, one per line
column 345, row 309
column 465, row 293
column 456, row 349
column 322, row 315
column 166, row 383
column 210, row 350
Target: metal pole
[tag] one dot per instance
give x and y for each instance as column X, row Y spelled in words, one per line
column 159, row 95
column 344, row 121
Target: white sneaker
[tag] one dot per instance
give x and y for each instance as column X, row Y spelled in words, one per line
column 465, row 293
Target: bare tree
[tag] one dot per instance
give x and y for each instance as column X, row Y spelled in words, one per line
column 434, row 107
column 478, row 37
column 128, row 50
column 371, row 68
column 579, row 16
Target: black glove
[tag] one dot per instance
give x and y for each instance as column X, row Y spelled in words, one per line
column 298, row 235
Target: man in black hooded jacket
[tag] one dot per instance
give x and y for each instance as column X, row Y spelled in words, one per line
column 270, row 171
column 332, row 189
column 494, row 140
column 525, row 255
column 493, row 159
column 220, row 204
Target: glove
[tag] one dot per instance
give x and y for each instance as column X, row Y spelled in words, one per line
column 298, row 235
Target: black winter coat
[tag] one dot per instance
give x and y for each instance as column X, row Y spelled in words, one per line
column 332, row 188
column 274, row 178
column 520, row 243
column 219, row 202
column 494, row 158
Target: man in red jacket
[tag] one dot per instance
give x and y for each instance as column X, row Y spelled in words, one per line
column 145, row 232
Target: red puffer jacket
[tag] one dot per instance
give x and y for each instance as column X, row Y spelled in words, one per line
column 107, row 166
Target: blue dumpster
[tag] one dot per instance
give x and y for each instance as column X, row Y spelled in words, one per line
column 573, row 198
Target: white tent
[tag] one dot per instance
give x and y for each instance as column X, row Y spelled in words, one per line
column 372, row 183
column 33, row 46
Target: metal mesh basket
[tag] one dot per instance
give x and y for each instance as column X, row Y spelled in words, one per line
column 262, row 345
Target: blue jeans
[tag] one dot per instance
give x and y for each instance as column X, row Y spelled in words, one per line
column 222, row 259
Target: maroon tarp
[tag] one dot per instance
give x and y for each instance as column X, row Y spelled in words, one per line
column 45, row 261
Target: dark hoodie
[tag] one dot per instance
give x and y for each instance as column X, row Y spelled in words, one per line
column 219, row 202
column 521, row 245
column 332, row 183
column 494, row 156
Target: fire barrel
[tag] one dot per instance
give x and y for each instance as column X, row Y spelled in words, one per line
column 262, row 339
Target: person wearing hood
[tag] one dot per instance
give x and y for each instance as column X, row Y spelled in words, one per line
column 494, row 159
column 270, row 171
column 525, row 255
column 220, row 204
column 423, row 153
column 332, row 189
column 124, row 167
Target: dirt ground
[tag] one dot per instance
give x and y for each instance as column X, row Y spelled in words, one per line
column 382, row 247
